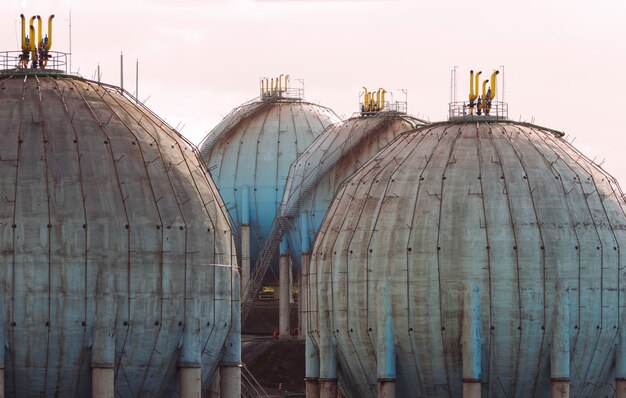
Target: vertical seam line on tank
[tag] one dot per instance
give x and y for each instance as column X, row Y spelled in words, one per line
column 489, row 259
column 514, row 233
column 441, row 317
column 167, row 172
column 342, row 193
column 379, row 204
column 48, row 229
column 597, row 340
column 17, row 169
column 110, row 152
column 82, row 195
column 410, row 138
column 255, row 229
column 559, row 157
column 145, row 167
column 543, row 256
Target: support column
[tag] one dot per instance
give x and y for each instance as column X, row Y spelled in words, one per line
column 620, row 364
column 190, row 381
column 190, row 364
column 283, row 295
column 305, row 258
column 560, row 352
column 245, row 240
column 386, row 357
column 312, row 358
column 471, row 340
column 230, row 378
column 2, row 344
column 103, row 352
column 328, row 354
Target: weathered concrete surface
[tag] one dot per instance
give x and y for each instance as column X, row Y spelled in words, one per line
column 510, row 207
column 113, row 243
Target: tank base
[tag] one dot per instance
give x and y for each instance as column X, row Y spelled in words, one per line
column 191, row 382
column 386, row 388
column 620, row 388
column 103, row 382
column 560, row 388
column 312, row 387
column 328, row 388
column 471, row 388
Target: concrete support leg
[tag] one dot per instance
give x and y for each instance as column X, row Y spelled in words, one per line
column 328, row 388
column 312, row 386
column 190, row 382
column 103, row 382
column 620, row 364
column 560, row 388
column 245, row 258
column 620, row 388
column 230, row 381
column 471, row 388
column 471, row 341
column 283, row 305
column 303, row 294
column 1, row 382
column 559, row 354
column 386, row 388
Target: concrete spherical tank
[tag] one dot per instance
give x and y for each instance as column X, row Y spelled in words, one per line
column 117, row 260
column 472, row 255
column 317, row 174
column 249, row 154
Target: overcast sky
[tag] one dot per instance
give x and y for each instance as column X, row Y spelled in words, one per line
column 564, row 60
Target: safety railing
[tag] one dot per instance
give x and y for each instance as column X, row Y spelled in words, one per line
column 292, row 93
column 465, row 110
column 11, row 61
column 396, row 106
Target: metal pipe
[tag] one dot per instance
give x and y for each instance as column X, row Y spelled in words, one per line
column 472, row 95
column 493, row 84
column 39, row 30
column 471, row 341
column 382, row 100
column 283, row 290
column 24, row 46
column 280, row 82
column 286, row 81
column 32, row 42
column 484, row 94
column 476, row 79
column 378, row 99
column 365, row 100
column 49, row 43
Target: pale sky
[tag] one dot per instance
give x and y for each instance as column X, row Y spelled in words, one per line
column 564, row 60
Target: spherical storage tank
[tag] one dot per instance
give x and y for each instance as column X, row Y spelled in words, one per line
column 249, row 153
column 468, row 255
column 117, row 259
column 337, row 153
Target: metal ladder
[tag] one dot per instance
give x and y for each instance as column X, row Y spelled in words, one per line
column 262, row 264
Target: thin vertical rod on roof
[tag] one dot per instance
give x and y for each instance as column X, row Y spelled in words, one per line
column 137, row 81
column 122, row 71
column 70, row 41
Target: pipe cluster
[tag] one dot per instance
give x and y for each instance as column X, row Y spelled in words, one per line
column 373, row 101
column 482, row 102
column 39, row 52
column 274, row 87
